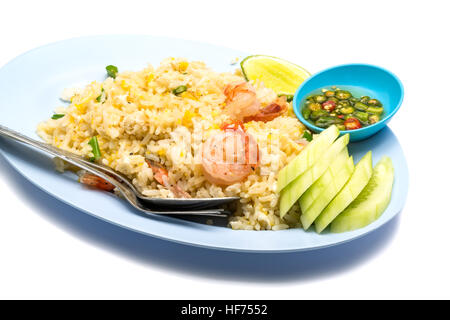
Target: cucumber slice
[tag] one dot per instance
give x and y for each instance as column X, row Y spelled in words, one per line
column 280, row 75
column 353, row 187
column 313, row 151
column 296, row 188
column 338, row 181
column 322, row 183
column 371, row 202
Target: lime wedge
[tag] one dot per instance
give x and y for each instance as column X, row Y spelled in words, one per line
column 281, row 76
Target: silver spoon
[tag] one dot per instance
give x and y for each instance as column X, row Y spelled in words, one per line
column 191, row 203
column 188, row 206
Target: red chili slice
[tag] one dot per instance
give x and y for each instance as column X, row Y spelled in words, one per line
column 352, row 124
column 329, row 105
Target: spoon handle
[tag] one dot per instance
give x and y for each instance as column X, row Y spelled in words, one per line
column 70, row 158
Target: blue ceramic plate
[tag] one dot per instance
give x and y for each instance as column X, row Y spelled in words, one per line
column 30, row 87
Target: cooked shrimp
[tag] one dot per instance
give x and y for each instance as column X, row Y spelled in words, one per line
column 242, row 104
column 96, row 182
column 161, row 175
column 269, row 112
column 241, row 100
column 229, row 156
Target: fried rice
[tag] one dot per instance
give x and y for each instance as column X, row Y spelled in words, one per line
column 137, row 117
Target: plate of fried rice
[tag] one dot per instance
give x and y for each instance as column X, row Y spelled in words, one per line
column 166, row 104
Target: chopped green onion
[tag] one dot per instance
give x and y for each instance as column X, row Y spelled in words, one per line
column 307, row 135
column 112, row 71
column 178, row 90
column 95, row 148
column 57, row 116
column 99, row 98
column 289, row 97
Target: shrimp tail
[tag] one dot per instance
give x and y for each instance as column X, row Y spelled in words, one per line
column 96, row 182
column 162, row 177
column 269, row 112
column 243, row 105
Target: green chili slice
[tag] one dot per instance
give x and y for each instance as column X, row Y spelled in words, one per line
column 306, row 112
column 361, row 106
column 363, row 116
column 289, row 97
column 376, row 110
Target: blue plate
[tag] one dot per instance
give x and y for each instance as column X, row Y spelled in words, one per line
column 360, row 80
column 29, row 89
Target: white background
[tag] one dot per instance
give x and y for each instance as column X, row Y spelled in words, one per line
column 48, row 250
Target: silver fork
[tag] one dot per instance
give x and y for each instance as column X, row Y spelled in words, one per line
column 191, row 206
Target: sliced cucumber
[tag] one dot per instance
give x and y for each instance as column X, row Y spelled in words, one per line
column 371, row 202
column 296, row 188
column 338, row 181
column 322, row 183
column 280, row 75
column 307, row 157
column 353, row 187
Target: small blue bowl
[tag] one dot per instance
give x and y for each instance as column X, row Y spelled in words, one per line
column 360, row 80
